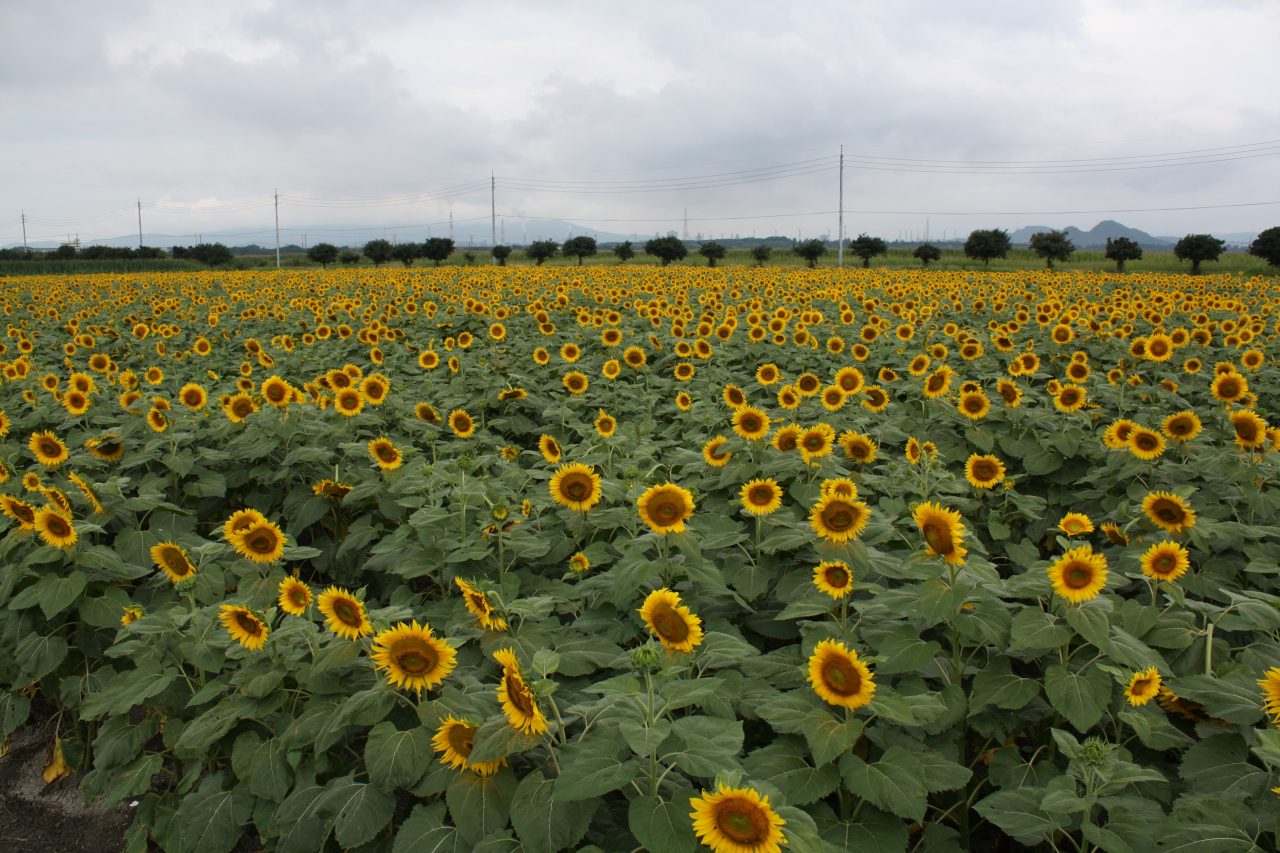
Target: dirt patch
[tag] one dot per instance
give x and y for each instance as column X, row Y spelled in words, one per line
column 39, row 818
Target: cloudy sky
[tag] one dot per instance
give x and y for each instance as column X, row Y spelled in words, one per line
column 391, row 116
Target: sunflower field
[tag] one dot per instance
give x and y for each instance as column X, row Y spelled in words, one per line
column 618, row 559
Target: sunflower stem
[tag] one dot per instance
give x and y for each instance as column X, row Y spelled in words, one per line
column 1208, row 648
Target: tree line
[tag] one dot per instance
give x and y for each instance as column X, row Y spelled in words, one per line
column 982, row 245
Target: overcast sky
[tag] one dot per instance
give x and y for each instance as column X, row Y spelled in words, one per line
column 197, row 106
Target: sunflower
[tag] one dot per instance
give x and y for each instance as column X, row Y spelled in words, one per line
column 171, row 559
column 787, row 438
column 75, row 403
column 456, row 738
column 156, row 419
column 579, row 563
column 130, row 614
column 1182, row 426
column 737, row 820
column 833, row 398
column 54, row 528
column 768, row 374
column 1165, row 561
column 913, row 452
column 605, row 424
column 348, row 401
column 635, row 357
column 943, row 532
column 983, row 472
column 1114, row 534
column 477, row 603
column 838, row 519
column 294, row 596
column 344, row 613
column 938, row 383
column 1229, row 387
column 1270, row 684
column 575, row 382
column 833, row 578
column 461, row 423
column 876, row 400
column 1116, row 436
column 48, row 449
column 575, row 486
column 1070, row 398
column 665, row 508
column 243, row 626
column 80, row 483
column 517, row 700
column 1168, row 512
column 385, row 454
column 260, row 541
column 330, row 489
column 674, row 626
column 238, row 407
column 761, row 497
column 858, row 447
column 974, row 405
column 239, row 522
column 734, row 397
column 1145, row 443
column 1075, row 524
column 412, row 656
column 839, row 677
column 788, row 397
column 750, row 423
column 1079, row 575
column 549, row 448
column 1251, row 430
column 1010, row 393
column 841, row 486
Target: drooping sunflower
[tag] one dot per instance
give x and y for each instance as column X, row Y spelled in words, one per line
column 761, row 496
column 477, row 603
column 673, row 624
column 858, row 447
column 943, row 532
column 48, row 449
column 1168, row 512
column 983, row 472
column 518, row 702
column 55, row 528
column 243, row 626
column 737, row 820
column 294, row 596
column 1010, row 393
column 714, row 454
column 1146, row 444
column 1250, row 430
column 839, row 677
column 665, row 508
column 1143, row 687
column 455, row 739
column 833, row 578
column 261, row 542
column 344, row 614
column 838, row 519
column 750, row 423
column 461, row 423
column 1079, row 574
column 412, row 656
column 1165, row 561
column 385, row 454
column 330, row 489
column 1270, row 684
column 171, row 559
column 20, row 511
column 549, row 448
column 1182, row 426
column 1075, row 524
column 575, row 486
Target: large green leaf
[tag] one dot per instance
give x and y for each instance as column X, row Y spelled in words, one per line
column 397, row 759
column 662, row 824
column 710, row 745
column 1081, row 697
column 544, row 823
column 480, row 805
column 894, row 782
column 210, row 817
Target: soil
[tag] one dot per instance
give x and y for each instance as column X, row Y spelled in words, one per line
column 39, row 818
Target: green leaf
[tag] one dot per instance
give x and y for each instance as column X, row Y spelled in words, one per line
column 206, row 729
column 784, row 764
column 873, row 832
column 1092, row 621
column 644, row 740
column 397, row 759
column 37, row 656
column 210, row 818
column 59, row 593
column 829, row 736
column 662, row 825
column 1235, row 699
column 426, row 832
column 995, row 684
column 270, row 776
column 1128, row 650
column 480, row 805
column 123, row 691
column 1080, row 697
column 1154, row 730
column 496, row 739
column 1220, row 765
column 543, row 823
column 902, row 650
column 893, row 783
column 589, row 769
column 710, row 745
column 1017, row 812
column 1034, row 630
column 360, row 809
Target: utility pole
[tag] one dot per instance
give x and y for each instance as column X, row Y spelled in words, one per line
column 24, row 232
column 277, row 197
column 451, row 226
column 493, row 217
column 685, row 235
column 840, row 235
column 139, row 222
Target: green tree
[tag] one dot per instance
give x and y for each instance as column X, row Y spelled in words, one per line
column 500, row 254
column 810, row 250
column 469, row 257
column 983, row 245
column 579, row 247
column 1267, row 246
column 761, row 254
column 322, row 254
column 349, row 257
column 713, row 252
column 666, row 249
column 867, row 248
column 67, row 252
column 212, row 254
column 1198, row 248
column 378, row 251
column 437, row 249
column 542, row 250
column 926, row 253
column 625, row 251
column 405, row 253
column 1121, row 249
column 1052, row 246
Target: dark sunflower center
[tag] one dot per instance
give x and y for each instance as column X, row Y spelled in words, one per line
column 1146, row 441
column 840, row 676
column 1164, row 564
column 669, row 624
column 984, row 470
column 760, row 495
column 417, row 660
column 839, row 517
column 837, row 577
column 750, row 423
column 973, row 404
column 1070, row 397
column 347, row 612
column 386, row 453
column 175, row 562
column 1157, row 348
column 1247, row 430
column 1139, row 687
column 462, row 738
column 1168, row 513
column 249, row 624
column 261, row 541
column 577, row 487
column 49, row 448
column 813, row 443
column 518, row 693
column 242, row 408
column 275, row 393
column 1077, row 576
column 742, row 822
column 938, row 537
column 58, row 526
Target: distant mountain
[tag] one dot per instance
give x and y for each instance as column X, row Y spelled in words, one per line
column 1097, row 236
